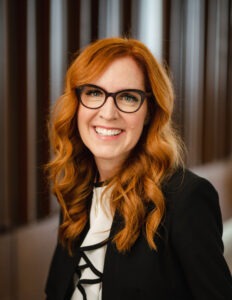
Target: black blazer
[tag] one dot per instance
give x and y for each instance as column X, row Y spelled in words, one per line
column 189, row 263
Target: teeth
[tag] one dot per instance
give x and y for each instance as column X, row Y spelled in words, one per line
column 107, row 132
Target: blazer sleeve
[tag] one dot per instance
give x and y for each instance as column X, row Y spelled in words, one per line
column 59, row 284
column 196, row 236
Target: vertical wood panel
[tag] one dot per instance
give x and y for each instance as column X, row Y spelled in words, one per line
column 73, row 27
column 229, row 85
column 194, row 79
column 223, row 61
column 199, row 58
column 215, row 134
column 166, row 30
column 102, row 18
column 150, row 30
column 87, row 19
column 58, row 59
column 209, row 115
column 134, row 18
column 42, row 76
column 113, row 18
column 58, row 48
column 17, row 124
column 176, row 57
column 94, row 19
column 5, row 214
column 109, row 18
column 22, row 89
column 126, row 18
column 31, row 109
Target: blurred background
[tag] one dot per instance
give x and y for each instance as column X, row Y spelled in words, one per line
column 37, row 42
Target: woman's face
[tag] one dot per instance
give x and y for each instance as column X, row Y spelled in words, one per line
column 107, row 132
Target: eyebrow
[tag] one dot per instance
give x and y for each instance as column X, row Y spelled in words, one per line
column 119, row 90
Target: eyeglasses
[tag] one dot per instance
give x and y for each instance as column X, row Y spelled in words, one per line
column 94, row 97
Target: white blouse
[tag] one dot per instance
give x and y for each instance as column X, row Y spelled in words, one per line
column 93, row 249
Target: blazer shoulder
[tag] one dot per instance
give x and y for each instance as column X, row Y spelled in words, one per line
column 187, row 194
column 194, row 226
column 184, row 181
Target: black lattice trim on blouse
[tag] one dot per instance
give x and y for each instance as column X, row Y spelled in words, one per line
column 88, row 264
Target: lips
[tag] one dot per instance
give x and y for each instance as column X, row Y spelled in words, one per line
column 107, row 132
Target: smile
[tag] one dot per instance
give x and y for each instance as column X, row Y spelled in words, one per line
column 107, row 132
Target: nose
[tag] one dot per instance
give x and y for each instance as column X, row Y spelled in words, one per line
column 109, row 110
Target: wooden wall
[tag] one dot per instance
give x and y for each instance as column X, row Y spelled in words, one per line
column 199, row 55
column 38, row 40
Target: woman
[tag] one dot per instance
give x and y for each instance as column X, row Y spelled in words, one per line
column 135, row 224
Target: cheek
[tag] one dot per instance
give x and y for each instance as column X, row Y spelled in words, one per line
column 137, row 121
column 82, row 118
column 136, row 129
column 137, row 124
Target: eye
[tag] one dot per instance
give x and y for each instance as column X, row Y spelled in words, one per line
column 129, row 97
column 93, row 92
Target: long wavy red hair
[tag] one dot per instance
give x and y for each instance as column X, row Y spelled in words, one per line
column 139, row 180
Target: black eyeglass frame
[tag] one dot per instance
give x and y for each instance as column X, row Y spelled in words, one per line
column 143, row 95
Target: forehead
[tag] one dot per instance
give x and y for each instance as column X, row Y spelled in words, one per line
column 122, row 73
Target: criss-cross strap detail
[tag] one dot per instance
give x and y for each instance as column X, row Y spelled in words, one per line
column 86, row 281
column 93, row 248
column 88, row 264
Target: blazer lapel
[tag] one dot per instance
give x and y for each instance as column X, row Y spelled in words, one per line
column 110, row 271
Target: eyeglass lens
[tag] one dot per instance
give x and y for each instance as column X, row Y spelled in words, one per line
column 126, row 100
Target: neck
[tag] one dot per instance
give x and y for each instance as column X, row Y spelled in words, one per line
column 106, row 168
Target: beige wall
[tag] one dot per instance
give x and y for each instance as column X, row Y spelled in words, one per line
column 220, row 175
column 25, row 256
